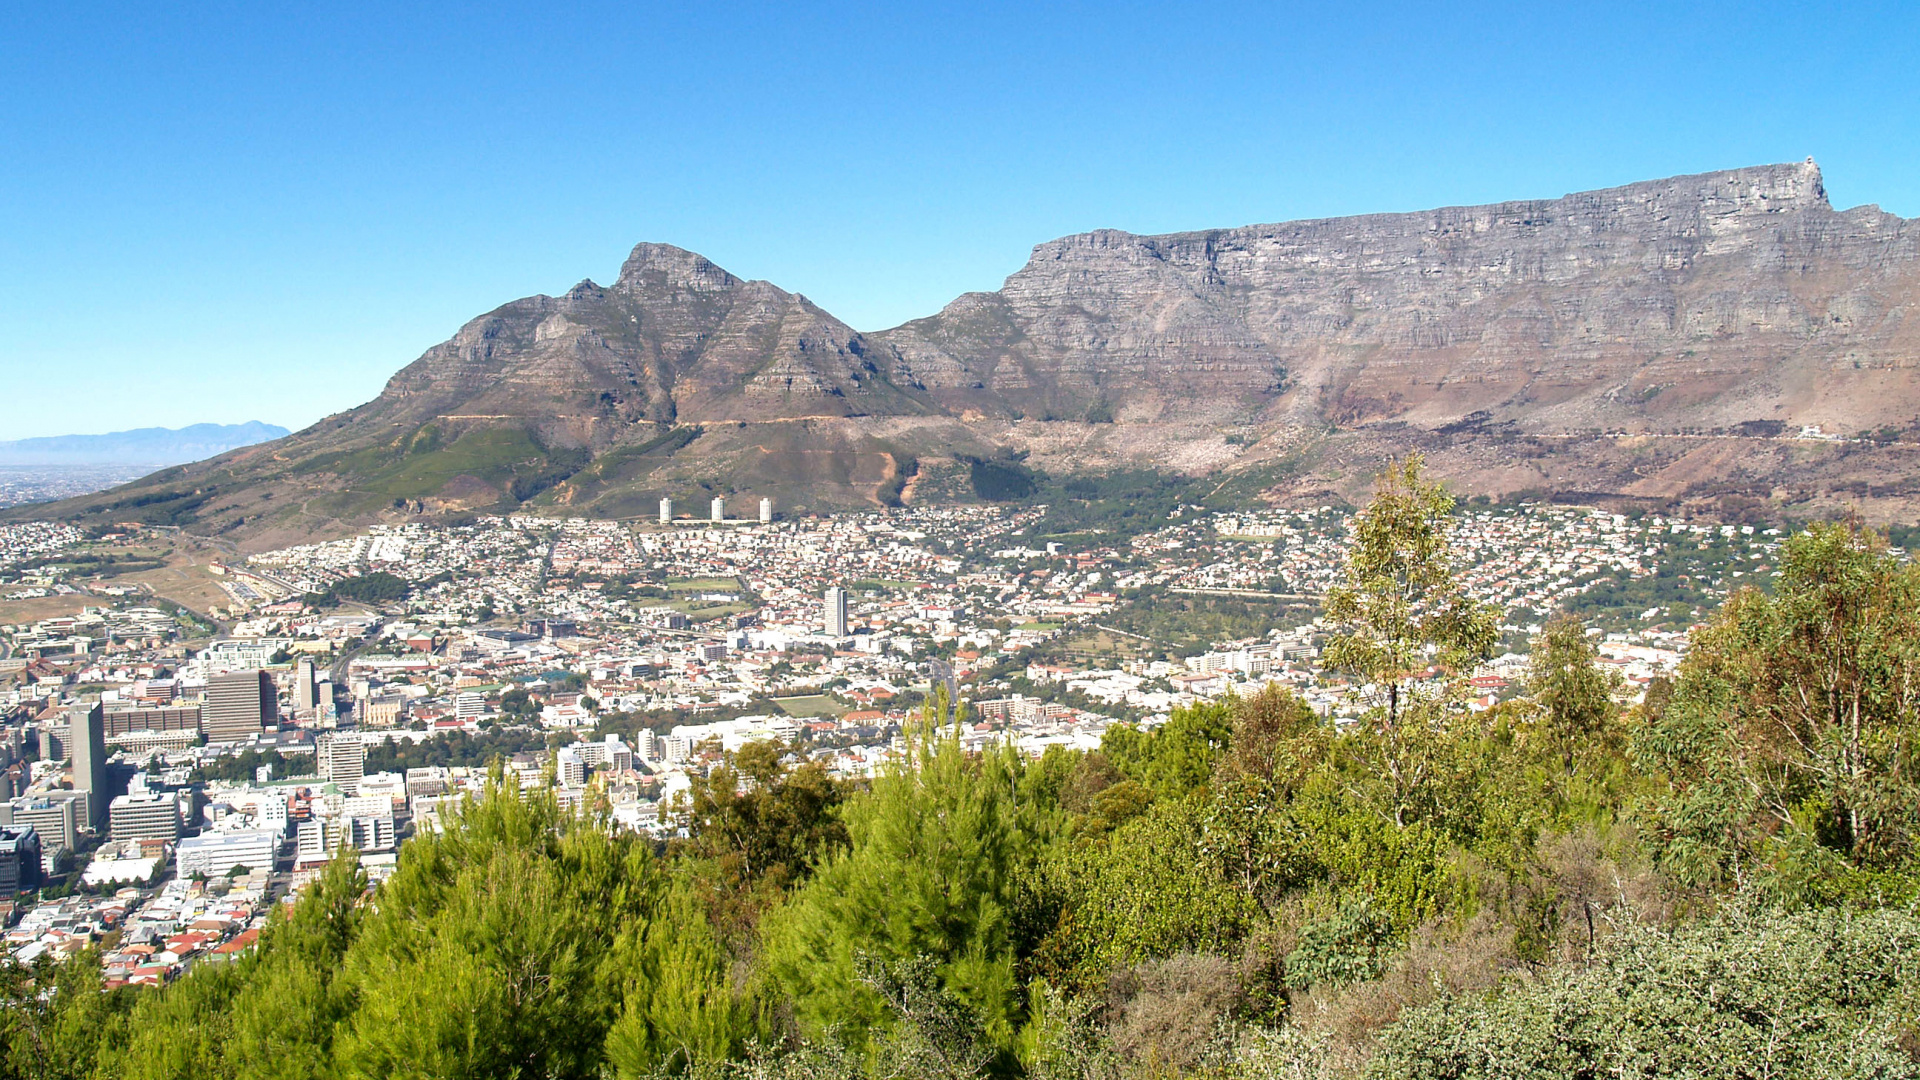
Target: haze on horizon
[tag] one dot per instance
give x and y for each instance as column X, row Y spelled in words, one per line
column 229, row 215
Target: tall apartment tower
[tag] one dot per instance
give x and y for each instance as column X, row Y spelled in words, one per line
column 719, row 508
column 666, row 511
column 766, row 511
column 239, row 704
column 88, row 747
column 304, row 695
column 836, row 612
column 345, row 762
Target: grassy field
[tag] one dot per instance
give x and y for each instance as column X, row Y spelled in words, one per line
column 810, row 706
column 705, row 584
column 1100, row 646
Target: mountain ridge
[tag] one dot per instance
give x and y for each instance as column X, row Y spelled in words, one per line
column 138, row 446
column 1593, row 345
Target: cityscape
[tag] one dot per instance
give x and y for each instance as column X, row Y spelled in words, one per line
column 187, row 780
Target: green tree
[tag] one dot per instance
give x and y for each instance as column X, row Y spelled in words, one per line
column 1566, row 681
column 757, row 826
column 1179, row 757
column 1399, row 608
column 1401, row 612
column 1790, row 735
column 932, row 870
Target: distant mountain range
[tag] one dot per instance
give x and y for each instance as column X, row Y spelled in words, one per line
column 141, row 446
column 1693, row 343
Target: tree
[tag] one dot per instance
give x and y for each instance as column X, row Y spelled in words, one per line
column 1401, row 612
column 757, row 826
column 1399, row 607
column 1568, row 684
column 1180, row 756
column 932, row 871
column 1791, row 733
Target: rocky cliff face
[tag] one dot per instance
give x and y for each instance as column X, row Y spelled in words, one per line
column 1698, row 301
column 1288, row 358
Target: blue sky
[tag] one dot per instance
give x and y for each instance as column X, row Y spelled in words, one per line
column 231, row 213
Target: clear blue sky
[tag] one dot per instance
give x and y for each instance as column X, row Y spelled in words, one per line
column 235, row 213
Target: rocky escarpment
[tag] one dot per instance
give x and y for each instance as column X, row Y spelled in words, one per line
column 1697, row 301
column 1581, row 347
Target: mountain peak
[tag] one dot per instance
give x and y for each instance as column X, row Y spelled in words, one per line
column 652, row 266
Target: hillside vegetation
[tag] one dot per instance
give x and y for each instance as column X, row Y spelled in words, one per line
column 1716, row 882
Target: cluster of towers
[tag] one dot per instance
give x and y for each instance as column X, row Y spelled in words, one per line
column 719, row 511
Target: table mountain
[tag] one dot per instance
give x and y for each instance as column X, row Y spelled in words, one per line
column 1665, row 341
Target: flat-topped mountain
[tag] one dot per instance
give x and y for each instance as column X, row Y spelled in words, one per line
column 1698, row 301
column 1666, row 341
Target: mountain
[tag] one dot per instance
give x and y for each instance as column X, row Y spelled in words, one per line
column 1665, row 343
column 141, row 446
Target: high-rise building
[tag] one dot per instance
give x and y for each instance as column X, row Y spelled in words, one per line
column 836, row 612
column 88, row 745
column 766, row 511
column 372, row 833
column 666, row 511
column 19, row 860
column 53, row 819
column 570, row 768
column 125, row 718
column 239, row 704
column 304, row 696
column 719, row 508
column 344, row 759
column 147, row 816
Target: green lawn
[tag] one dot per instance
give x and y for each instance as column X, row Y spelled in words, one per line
column 810, row 706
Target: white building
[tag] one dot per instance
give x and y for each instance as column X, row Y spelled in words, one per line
column 835, row 615
column 216, row 853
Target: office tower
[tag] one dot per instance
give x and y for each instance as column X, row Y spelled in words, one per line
column 125, row 718
column 836, row 612
column 239, row 704
column 304, row 698
column 719, row 508
column 88, row 746
column 53, row 819
column 345, row 762
column 766, row 511
column 19, row 860
column 666, row 511
column 213, row 854
column 146, row 816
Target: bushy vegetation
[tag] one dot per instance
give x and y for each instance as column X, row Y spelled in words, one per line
column 455, row 748
column 372, row 588
column 1714, row 883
